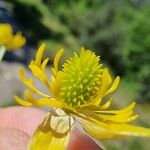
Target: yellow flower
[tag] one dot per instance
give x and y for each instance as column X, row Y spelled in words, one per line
column 8, row 40
column 75, row 94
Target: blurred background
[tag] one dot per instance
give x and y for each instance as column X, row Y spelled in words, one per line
column 118, row 30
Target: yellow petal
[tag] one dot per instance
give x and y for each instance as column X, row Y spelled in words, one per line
column 44, row 64
column 57, row 58
column 112, row 130
column 22, row 102
column 106, row 105
column 29, row 83
column 31, row 101
column 95, row 107
column 39, row 54
column 120, row 116
column 56, row 84
column 129, row 130
column 48, row 102
column 37, row 72
column 114, row 86
column 52, row 134
column 106, row 80
column 99, row 131
column 119, row 111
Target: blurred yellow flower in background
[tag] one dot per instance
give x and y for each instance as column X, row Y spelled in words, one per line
column 76, row 94
column 8, row 40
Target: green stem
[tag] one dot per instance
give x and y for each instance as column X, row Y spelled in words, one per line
column 2, row 52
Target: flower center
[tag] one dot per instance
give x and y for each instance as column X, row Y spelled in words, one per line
column 81, row 78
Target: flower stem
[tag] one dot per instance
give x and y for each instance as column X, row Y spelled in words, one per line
column 2, row 52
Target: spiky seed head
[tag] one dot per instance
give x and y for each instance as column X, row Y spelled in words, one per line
column 81, row 78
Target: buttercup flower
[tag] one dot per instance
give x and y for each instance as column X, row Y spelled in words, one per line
column 8, row 41
column 75, row 94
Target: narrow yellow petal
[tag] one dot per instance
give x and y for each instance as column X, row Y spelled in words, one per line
column 132, row 118
column 97, row 100
column 56, row 83
column 57, row 58
column 27, row 95
column 52, row 134
column 37, row 72
column 120, row 116
column 129, row 130
column 29, row 83
column 48, row 102
column 99, row 131
column 117, row 118
column 106, row 80
column 106, row 105
column 31, row 101
column 44, row 64
column 39, row 54
column 119, row 111
column 96, row 108
column 112, row 130
column 114, row 86
column 22, row 102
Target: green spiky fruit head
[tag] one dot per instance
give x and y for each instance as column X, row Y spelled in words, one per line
column 81, row 78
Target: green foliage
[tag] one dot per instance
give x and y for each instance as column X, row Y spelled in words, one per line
column 144, row 88
column 137, row 51
column 118, row 30
column 135, row 145
column 42, row 25
column 96, row 29
column 138, row 42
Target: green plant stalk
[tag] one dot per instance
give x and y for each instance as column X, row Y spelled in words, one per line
column 2, row 52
